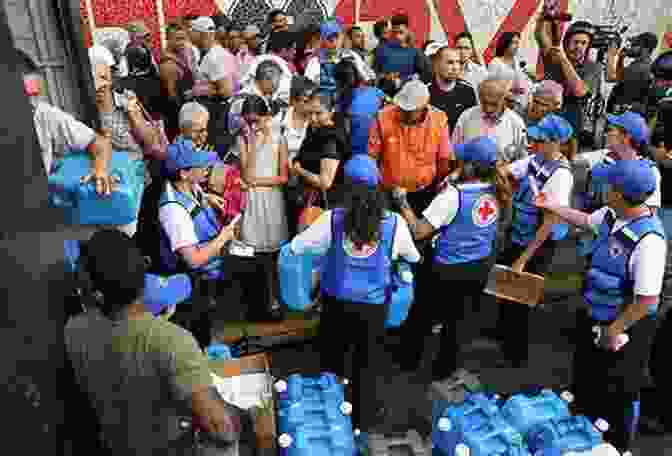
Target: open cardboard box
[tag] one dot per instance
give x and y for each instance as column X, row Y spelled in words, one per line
column 519, row 287
column 252, row 366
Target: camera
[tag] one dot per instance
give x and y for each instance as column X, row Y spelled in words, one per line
column 607, row 36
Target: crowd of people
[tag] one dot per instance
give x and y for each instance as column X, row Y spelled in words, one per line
column 370, row 157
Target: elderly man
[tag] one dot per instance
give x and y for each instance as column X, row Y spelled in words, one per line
column 546, row 98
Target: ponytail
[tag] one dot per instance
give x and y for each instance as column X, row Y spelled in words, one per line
column 365, row 210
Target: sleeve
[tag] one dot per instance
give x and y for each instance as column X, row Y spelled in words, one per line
column 178, row 226
column 458, row 132
column 519, row 168
column 559, row 187
column 375, row 139
column 330, row 151
column 647, row 265
column 71, row 132
column 404, row 247
column 655, row 199
column 443, row 209
column 313, row 70
column 189, row 364
column 596, row 218
column 316, row 239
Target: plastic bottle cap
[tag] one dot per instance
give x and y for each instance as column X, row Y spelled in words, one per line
column 444, row 424
column 567, row 397
column 346, row 381
column 601, row 425
column 407, row 276
column 462, row 450
column 285, row 441
column 346, row 408
column 281, row 386
column 357, row 432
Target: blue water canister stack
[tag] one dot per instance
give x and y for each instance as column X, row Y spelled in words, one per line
column 572, row 433
column 477, row 428
column 82, row 205
column 524, row 411
column 313, row 417
column 296, row 277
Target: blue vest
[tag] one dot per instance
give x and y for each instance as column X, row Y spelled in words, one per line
column 471, row 234
column 608, row 285
column 327, row 76
column 527, row 218
column 206, row 225
column 357, row 279
column 393, row 58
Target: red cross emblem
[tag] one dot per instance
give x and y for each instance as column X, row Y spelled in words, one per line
column 485, row 211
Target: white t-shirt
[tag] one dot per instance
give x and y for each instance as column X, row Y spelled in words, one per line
column 218, row 64
column 591, row 159
column 178, row 224
column 558, row 187
column 647, row 262
column 57, row 130
column 316, row 239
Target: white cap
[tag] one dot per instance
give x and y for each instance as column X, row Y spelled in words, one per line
column 285, row 440
column 444, row 424
column 281, row 386
column 435, row 47
column 346, row 381
column 567, row 397
column 601, row 425
column 346, row 408
column 203, row 24
column 412, row 95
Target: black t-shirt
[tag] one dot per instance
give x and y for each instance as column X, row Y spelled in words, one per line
column 453, row 102
column 324, row 143
column 634, row 88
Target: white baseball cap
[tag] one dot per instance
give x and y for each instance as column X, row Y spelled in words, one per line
column 435, row 47
column 413, row 95
column 203, row 24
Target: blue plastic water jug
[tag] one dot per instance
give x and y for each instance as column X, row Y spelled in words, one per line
column 402, row 295
column 296, row 277
column 496, row 438
column 571, row 433
column 219, row 352
column 525, row 411
column 476, row 410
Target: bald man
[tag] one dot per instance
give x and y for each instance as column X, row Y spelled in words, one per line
column 447, row 91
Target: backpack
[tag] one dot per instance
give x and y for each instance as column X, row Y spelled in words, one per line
column 148, row 235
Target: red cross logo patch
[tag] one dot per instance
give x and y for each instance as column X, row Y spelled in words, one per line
column 485, row 211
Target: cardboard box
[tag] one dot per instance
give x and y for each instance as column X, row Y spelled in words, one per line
column 519, row 287
column 251, row 366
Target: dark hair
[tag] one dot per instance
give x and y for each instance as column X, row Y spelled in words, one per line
column 139, row 60
column 254, row 104
column 302, row 87
column 116, row 268
column 190, row 17
column 347, row 79
column 504, row 42
column 427, row 43
column 492, row 175
column 379, row 27
column 279, row 41
column 466, row 35
column 353, row 29
column 265, row 68
column 364, row 211
column 648, row 41
column 399, row 19
column 273, row 14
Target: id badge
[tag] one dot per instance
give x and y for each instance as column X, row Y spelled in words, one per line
column 237, row 248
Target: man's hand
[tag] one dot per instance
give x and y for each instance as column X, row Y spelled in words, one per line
column 105, row 184
column 216, row 201
column 556, row 54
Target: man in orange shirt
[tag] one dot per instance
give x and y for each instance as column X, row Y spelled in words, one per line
column 411, row 141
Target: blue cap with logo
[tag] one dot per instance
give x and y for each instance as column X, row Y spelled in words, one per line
column 182, row 154
column 362, row 169
column 330, row 29
column 482, row 150
column 551, row 128
column 164, row 292
column 635, row 178
column 633, row 124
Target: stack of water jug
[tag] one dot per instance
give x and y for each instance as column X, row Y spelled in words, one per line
column 538, row 424
column 313, row 417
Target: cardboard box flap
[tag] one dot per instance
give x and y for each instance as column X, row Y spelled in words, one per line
column 520, row 287
column 253, row 364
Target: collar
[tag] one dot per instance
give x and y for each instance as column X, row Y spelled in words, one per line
column 445, row 86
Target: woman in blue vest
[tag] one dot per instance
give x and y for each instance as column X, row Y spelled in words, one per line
column 621, row 293
column 360, row 242
column 534, row 233
column 464, row 214
column 356, row 105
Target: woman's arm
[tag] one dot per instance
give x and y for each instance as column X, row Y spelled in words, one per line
column 324, row 180
column 543, row 233
column 316, row 239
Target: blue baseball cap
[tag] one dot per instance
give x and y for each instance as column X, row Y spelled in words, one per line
column 482, row 149
column 551, row 128
column 164, row 292
column 635, row 178
column 362, row 169
column 329, row 29
column 183, row 155
column 633, row 124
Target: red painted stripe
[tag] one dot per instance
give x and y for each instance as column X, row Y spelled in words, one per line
column 516, row 21
column 452, row 17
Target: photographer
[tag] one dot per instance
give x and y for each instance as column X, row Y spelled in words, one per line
column 635, row 79
column 567, row 63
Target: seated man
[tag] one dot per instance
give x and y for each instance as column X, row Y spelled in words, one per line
column 141, row 374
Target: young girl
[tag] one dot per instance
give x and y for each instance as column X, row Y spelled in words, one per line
column 265, row 170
